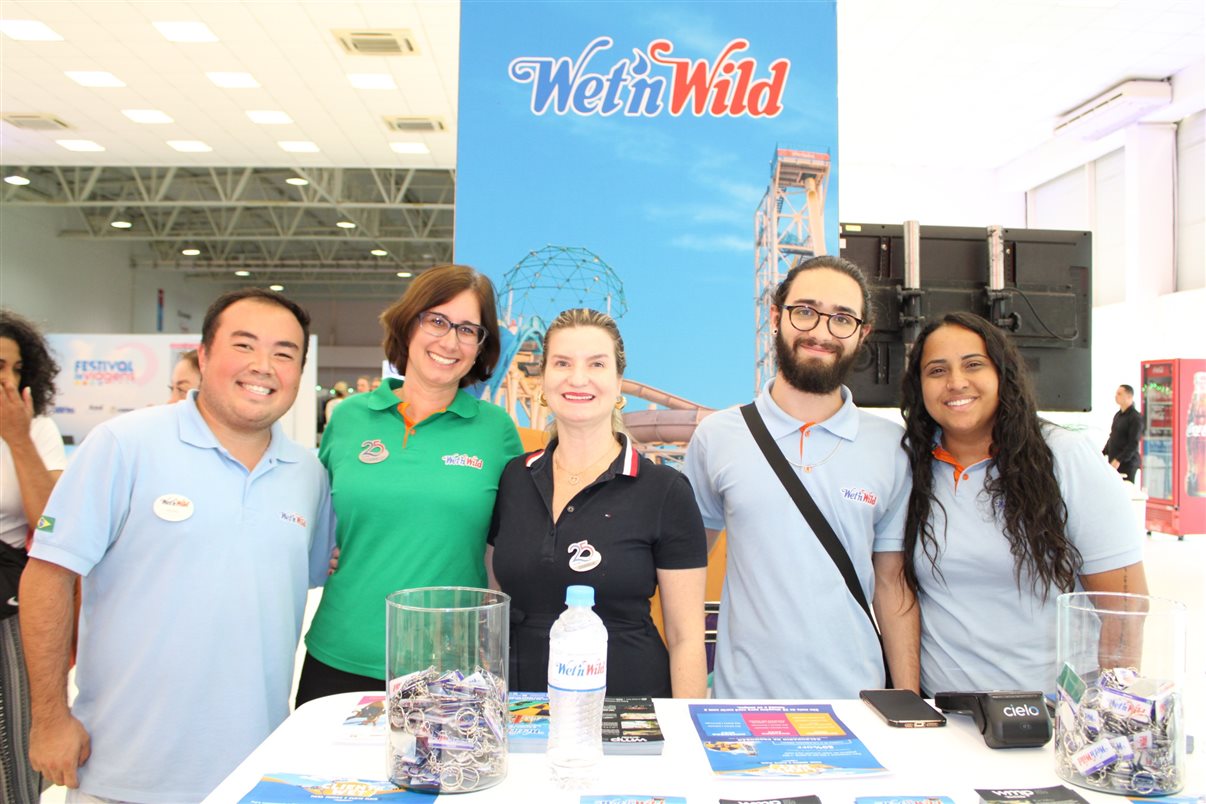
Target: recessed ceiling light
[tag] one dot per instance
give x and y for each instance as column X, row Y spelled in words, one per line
column 189, row 146
column 405, row 274
column 233, row 80
column 379, row 252
column 120, row 224
column 345, row 224
column 29, row 31
column 409, row 148
column 242, row 273
column 190, row 252
column 268, row 117
column 94, row 78
column 298, row 146
column 80, row 145
column 277, row 288
column 185, row 31
column 148, row 116
column 19, row 181
column 372, row 81
column 297, row 181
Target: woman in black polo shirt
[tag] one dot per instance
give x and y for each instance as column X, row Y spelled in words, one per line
column 590, row 510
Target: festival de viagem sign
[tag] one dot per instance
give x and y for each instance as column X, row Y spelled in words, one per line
column 616, row 156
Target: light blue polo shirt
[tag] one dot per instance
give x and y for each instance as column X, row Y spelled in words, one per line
column 189, row 626
column 789, row 627
column 979, row 631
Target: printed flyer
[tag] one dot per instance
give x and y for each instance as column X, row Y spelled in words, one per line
column 288, row 788
column 366, row 722
column 780, row 742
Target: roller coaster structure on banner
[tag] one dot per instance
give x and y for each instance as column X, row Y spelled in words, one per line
column 788, row 226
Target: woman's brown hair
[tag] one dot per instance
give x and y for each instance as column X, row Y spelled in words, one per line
column 429, row 289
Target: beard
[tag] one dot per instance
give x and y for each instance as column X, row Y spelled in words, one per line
column 810, row 374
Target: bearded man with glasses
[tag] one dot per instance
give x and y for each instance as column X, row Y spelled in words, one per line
column 790, row 624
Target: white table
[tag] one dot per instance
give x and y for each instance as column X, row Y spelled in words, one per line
column 951, row 761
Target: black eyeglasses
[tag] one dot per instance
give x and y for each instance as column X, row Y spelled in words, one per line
column 438, row 325
column 805, row 319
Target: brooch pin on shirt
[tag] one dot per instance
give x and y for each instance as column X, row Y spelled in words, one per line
column 585, row 557
column 374, row 451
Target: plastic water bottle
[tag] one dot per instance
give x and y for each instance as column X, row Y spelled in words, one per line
column 577, row 685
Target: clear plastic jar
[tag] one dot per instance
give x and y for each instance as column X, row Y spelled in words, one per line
column 1119, row 719
column 446, row 679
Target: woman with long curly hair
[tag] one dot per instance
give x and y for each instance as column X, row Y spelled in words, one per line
column 31, row 460
column 1007, row 512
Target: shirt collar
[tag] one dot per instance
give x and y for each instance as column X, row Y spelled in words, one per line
column 627, row 463
column 942, row 456
column 384, row 398
column 195, row 431
column 843, row 424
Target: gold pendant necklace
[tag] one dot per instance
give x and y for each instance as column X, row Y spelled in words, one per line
column 574, row 476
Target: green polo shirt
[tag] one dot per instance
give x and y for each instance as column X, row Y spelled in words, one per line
column 413, row 510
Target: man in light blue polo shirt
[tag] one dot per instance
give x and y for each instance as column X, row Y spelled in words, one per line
column 198, row 528
column 789, row 627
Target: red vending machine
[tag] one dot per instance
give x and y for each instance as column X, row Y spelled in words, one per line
column 1174, row 445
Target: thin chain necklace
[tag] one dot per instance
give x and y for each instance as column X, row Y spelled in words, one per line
column 808, row 467
column 574, row 476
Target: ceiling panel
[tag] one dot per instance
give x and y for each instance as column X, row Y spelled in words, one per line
column 970, row 84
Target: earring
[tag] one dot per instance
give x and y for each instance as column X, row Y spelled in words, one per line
column 620, row 402
column 544, row 403
column 775, row 331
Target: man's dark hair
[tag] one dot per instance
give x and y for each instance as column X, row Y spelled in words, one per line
column 1128, row 389
column 210, row 327
column 779, row 298
column 38, row 368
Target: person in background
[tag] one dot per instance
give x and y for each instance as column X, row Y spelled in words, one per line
column 789, row 627
column 186, row 375
column 198, row 528
column 1122, row 449
column 363, row 384
column 31, row 460
column 1007, row 512
column 414, row 468
column 339, row 392
column 589, row 509
column 375, row 384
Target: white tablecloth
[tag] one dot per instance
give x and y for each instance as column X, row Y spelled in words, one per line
column 951, row 761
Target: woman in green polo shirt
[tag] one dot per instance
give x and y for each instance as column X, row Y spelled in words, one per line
column 414, row 471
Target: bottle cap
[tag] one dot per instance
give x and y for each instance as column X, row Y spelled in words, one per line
column 580, row 596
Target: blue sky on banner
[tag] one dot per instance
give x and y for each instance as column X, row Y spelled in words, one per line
column 667, row 200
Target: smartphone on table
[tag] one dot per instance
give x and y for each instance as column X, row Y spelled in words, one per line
column 903, row 709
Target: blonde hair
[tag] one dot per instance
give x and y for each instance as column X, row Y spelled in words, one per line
column 577, row 317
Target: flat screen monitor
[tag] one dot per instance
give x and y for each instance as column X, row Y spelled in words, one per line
column 1045, row 304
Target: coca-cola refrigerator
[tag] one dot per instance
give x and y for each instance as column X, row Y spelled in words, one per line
column 1174, row 445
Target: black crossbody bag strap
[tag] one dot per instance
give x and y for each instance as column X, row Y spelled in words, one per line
column 813, row 516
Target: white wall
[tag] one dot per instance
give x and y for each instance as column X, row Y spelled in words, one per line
column 882, row 192
column 1191, row 202
column 70, row 285
column 66, row 285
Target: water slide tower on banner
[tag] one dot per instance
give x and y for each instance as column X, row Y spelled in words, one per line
column 789, row 225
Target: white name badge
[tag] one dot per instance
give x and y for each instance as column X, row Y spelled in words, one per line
column 173, row 507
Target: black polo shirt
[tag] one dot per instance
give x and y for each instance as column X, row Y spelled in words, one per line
column 636, row 518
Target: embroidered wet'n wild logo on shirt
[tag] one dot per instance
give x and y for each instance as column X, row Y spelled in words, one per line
column 461, row 459
column 860, row 495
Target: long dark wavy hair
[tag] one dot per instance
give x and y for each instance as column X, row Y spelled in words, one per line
column 38, row 368
column 1023, row 489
